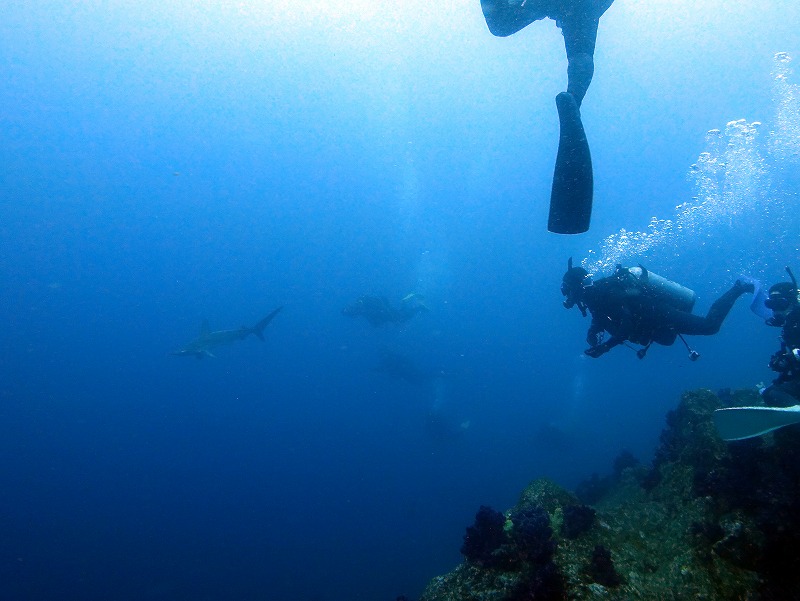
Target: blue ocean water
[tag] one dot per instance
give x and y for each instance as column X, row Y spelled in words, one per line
column 165, row 164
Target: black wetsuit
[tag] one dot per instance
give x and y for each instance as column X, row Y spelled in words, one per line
column 785, row 389
column 628, row 312
column 578, row 20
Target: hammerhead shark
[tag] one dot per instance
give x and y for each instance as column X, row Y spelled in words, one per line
column 207, row 340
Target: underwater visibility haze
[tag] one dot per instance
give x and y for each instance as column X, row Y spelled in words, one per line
column 169, row 164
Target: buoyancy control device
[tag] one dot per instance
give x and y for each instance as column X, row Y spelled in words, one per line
column 680, row 297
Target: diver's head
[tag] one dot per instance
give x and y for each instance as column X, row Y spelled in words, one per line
column 783, row 298
column 574, row 282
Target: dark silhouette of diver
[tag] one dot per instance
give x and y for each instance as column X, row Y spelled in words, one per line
column 780, row 308
column 378, row 311
column 401, row 367
column 571, row 194
column 784, row 307
column 637, row 306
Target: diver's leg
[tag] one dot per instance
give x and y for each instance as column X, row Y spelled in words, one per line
column 504, row 17
column 573, row 180
column 580, row 36
column 665, row 336
column 686, row 323
column 723, row 305
column 600, row 7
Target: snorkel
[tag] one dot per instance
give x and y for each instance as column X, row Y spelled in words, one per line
column 572, row 285
column 791, row 276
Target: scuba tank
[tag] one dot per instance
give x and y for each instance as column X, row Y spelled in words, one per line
column 680, row 297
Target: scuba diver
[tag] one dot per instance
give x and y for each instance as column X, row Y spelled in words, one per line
column 642, row 307
column 378, row 311
column 571, row 194
column 781, row 309
column 784, row 306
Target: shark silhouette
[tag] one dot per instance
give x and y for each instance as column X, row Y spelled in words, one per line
column 207, row 340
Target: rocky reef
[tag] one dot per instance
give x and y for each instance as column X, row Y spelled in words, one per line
column 707, row 520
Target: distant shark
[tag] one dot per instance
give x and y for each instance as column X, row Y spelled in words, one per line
column 207, row 340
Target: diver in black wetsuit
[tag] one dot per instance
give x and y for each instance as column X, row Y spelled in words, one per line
column 633, row 305
column 378, row 311
column 784, row 305
column 571, row 197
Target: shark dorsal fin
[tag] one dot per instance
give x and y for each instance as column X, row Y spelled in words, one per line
column 204, row 329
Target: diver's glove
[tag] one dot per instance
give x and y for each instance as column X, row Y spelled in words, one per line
column 595, row 351
column 594, row 337
column 745, row 284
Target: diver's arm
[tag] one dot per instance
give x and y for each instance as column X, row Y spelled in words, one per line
column 786, row 362
column 620, row 325
column 594, row 336
column 603, row 348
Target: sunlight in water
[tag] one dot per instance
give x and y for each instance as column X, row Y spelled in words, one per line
column 341, row 15
column 740, row 190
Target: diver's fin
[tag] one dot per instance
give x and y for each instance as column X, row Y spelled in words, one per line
column 737, row 423
column 571, row 195
column 258, row 329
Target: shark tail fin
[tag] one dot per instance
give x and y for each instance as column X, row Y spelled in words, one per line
column 258, row 329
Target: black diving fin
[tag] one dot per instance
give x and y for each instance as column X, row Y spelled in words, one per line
column 571, row 195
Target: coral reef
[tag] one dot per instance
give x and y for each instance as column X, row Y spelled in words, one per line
column 591, row 490
column 532, row 534
column 601, row 568
column 577, row 520
column 484, row 538
column 708, row 520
